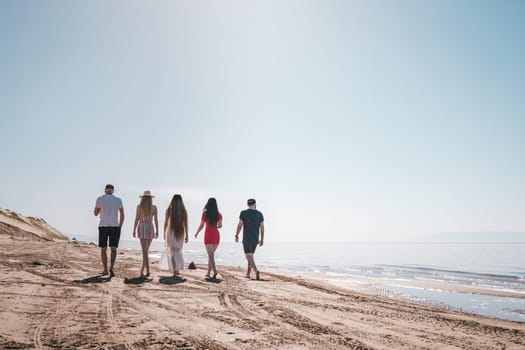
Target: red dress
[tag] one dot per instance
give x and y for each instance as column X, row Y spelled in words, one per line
column 211, row 234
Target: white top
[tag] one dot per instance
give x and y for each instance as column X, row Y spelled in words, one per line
column 109, row 206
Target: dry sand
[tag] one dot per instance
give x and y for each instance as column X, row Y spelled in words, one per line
column 52, row 297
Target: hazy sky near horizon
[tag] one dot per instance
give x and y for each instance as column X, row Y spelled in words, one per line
column 346, row 120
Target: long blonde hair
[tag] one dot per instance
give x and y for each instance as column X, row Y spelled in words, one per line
column 146, row 206
column 178, row 216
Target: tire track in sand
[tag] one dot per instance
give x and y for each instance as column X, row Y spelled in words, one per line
column 53, row 321
column 280, row 315
column 111, row 317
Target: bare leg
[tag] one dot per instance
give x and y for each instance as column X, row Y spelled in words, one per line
column 173, row 252
column 251, row 264
column 249, row 269
column 113, row 258
column 144, row 244
column 215, row 246
column 147, row 265
column 149, row 245
column 104, row 256
column 175, row 266
column 210, row 249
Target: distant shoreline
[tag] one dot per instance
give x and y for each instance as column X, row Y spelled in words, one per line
column 95, row 239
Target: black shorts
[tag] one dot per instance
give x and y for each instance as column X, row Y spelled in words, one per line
column 249, row 247
column 111, row 232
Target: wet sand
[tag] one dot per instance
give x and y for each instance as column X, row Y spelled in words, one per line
column 53, row 297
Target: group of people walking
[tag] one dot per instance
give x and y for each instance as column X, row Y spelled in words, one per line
column 146, row 228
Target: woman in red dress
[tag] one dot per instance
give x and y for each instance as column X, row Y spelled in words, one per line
column 213, row 220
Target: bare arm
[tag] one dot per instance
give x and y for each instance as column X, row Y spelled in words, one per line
column 200, row 228
column 219, row 224
column 96, row 211
column 239, row 227
column 261, row 241
column 166, row 218
column 137, row 214
column 156, row 222
column 121, row 211
column 186, row 230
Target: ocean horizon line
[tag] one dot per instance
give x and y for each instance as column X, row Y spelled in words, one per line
column 95, row 238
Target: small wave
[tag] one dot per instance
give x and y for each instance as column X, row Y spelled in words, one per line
column 447, row 272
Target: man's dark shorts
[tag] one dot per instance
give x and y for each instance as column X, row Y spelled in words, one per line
column 249, row 247
column 111, row 232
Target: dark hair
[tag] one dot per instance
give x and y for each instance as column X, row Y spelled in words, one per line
column 251, row 201
column 178, row 216
column 109, row 186
column 212, row 211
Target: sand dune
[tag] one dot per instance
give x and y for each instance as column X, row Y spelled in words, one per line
column 52, row 297
column 18, row 225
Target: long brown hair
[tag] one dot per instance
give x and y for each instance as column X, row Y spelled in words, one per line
column 178, row 216
column 212, row 211
column 146, row 205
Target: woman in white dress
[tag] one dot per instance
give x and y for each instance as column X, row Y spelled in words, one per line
column 176, row 232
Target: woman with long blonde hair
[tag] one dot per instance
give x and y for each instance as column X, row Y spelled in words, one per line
column 145, row 216
column 176, row 232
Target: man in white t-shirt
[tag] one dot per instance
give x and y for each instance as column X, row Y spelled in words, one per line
column 109, row 207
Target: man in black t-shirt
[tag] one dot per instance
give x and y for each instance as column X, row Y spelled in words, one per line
column 253, row 222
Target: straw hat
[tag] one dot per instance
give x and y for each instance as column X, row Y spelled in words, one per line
column 147, row 194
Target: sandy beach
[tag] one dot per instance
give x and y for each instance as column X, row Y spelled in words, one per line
column 53, row 297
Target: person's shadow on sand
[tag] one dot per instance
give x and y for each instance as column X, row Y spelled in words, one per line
column 94, row 279
column 171, row 280
column 137, row 280
column 258, row 280
column 213, row 280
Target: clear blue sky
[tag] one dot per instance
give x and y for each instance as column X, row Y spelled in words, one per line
column 347, row 120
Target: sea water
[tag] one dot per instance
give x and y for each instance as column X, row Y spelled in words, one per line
column 491, row 266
